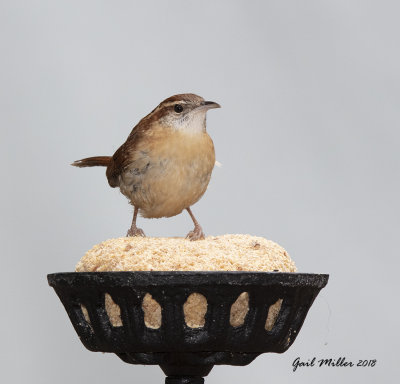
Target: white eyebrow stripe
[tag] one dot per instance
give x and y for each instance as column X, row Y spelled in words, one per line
column 171, row 103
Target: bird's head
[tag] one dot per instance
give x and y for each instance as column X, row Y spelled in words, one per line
column 185, row 112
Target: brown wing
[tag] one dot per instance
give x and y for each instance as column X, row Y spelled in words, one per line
column 125, row 153
column 130, row 150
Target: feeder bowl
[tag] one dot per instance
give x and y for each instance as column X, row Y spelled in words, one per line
column 187, row 354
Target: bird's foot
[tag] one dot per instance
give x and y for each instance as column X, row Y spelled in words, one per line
column 135, row 232
column 196, row 234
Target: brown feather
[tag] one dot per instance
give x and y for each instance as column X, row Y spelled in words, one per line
column 96, row 161
column 122, row 157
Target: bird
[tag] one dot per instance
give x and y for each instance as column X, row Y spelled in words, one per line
column 165, row 164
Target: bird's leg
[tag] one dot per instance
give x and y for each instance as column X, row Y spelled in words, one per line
column 197, row 233
column 134, row 230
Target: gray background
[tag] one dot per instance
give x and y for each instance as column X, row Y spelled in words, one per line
column 308, row 137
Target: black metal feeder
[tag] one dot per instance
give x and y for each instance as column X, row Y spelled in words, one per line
column 186, row 354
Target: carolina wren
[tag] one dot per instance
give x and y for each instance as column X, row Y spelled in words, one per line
column 165, row 164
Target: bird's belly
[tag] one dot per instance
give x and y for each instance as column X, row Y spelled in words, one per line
column 164, row 187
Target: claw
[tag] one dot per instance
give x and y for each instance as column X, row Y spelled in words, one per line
column 196, row 234
column 135, row 232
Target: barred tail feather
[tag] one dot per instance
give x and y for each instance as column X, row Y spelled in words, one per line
column 97, row 161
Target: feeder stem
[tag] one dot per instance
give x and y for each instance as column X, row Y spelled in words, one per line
column 184, row 380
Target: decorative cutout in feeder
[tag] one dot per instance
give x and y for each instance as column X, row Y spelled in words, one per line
column 275, row 306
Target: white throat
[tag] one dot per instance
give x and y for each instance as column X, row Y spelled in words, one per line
column 194, row 122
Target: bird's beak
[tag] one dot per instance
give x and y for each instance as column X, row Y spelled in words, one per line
column 206, row 105
column 211, row 104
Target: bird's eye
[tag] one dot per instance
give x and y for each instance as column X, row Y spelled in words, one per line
column 178, row 108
